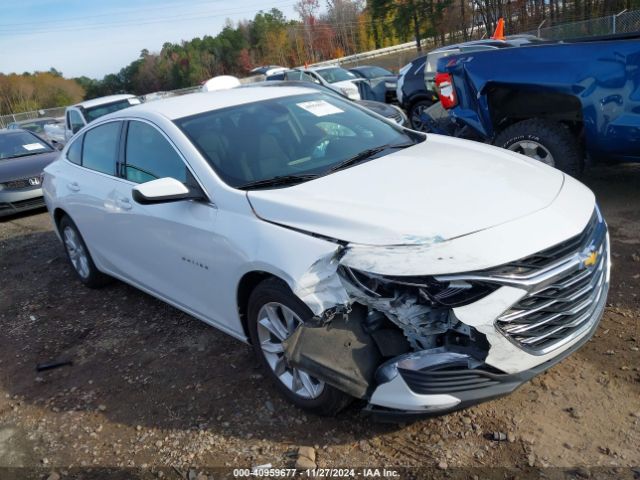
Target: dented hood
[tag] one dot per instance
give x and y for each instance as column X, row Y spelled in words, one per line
column 438, row 190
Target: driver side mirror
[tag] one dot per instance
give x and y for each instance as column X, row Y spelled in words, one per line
column 164, row 190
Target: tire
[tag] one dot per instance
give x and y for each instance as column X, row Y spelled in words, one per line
column 415, row 110
column 325, row 400
column 79, row 256
column 544, row 140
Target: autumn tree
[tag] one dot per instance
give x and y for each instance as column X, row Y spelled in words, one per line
column 38, row 90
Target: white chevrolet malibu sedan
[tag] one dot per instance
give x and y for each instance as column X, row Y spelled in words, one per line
column 420, row 274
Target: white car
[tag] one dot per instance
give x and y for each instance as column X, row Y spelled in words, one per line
column 336, row 78
column 79, row 115
column 419, row 273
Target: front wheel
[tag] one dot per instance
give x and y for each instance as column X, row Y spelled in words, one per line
column 274, row 313
column 546, row 141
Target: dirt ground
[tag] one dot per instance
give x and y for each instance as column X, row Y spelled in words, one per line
column 152, row 388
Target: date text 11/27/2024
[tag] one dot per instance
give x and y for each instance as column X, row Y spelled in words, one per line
column 316, row 472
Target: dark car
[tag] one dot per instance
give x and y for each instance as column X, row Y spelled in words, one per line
column 412, row 93
column 388, row 111
column 23, row 156
column 267, row 69
column 382, row 81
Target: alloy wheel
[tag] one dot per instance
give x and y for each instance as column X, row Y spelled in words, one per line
column 416, row 117
column 534, row 150
column 77, row 252
column 276, row 322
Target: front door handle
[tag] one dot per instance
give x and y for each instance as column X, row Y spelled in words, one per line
column 73, row 186
column 124, row 203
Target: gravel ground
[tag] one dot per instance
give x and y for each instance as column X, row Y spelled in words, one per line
column 152, row 388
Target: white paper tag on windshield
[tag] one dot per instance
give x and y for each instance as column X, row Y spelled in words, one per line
column 134, row 101
column 320, row 108
column 33, row 146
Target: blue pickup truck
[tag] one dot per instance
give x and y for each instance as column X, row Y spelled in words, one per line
column 558, row 102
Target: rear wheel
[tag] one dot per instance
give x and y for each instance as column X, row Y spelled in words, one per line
column 79, row 255
column 274, row 313
column 546, row 141
column 415, row 115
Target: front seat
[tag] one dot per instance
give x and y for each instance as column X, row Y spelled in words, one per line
column 263, row 155
column 216, row 144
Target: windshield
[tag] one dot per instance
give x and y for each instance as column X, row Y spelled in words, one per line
column 375, row 72
column 37, row 126
column 92, row 113
column 295, row 135
column 21, row 144
column 333, row 75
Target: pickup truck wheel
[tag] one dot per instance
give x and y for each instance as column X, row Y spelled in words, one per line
column 415, row 115
column 274, row 313
column 546, row 141
column 79, row 256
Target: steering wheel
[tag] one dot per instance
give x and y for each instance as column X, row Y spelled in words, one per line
column 319, row 148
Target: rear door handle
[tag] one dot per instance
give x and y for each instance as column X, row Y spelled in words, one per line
column 73, row 186
column 124, row 203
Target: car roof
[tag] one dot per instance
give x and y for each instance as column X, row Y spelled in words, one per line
column 103, row 100
column 418, row 59
column 31, row 120
column 266, row 67
column 294, row 83
column 6, row 131
column 509, row 41
column 200, row 102
column 324, row 67
column 487, row 42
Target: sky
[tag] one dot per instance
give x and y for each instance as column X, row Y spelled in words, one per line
column 96, row 37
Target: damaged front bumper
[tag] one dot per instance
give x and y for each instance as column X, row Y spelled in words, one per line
column 421, row 346
column 430, row 383
column 560, row 310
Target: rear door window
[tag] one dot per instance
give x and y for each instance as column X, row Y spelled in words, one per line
column 100, row 152
column 74, row 152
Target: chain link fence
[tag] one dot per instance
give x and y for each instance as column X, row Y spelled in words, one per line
column 627, row 22
column 624, row 22
column 5, row 120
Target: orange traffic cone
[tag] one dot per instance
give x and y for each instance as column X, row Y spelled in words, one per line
column 499, row 33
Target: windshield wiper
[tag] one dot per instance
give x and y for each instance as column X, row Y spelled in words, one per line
column 20, row 155
column 279, row 180
column 365, row 155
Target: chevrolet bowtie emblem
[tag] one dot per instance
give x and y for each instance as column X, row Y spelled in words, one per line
column 590, row 259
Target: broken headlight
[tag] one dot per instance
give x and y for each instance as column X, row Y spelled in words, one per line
column 444, row 293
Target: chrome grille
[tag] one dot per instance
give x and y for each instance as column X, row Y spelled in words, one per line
column 563, row 300
column 566, row 286
column 549, row 256
column 16, row 184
